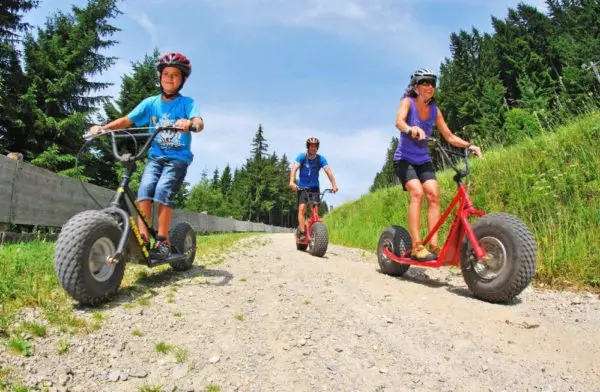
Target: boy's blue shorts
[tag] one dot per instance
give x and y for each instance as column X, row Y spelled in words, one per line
column 162, row 179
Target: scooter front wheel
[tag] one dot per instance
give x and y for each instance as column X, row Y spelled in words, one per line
column 510, row 262
column 319, row 239
column 81, row 257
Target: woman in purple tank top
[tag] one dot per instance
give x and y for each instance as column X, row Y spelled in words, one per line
column 415, row 119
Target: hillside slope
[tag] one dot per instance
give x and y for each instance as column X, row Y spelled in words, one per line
column 551, row 182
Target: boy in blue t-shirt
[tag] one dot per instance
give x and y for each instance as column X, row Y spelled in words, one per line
column 170, row 153
column 309, row 163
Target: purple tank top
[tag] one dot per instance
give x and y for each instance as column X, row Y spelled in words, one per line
column 412, row 150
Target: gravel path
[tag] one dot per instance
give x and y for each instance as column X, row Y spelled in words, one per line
column 270, row 318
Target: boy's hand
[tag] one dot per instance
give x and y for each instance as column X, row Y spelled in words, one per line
column 184, row 124
column 96, row 129
column 293, row 186
column 334, row 189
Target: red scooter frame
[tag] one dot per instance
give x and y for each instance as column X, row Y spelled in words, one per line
column 450, row 252
column 497, row 258
column 316, row 239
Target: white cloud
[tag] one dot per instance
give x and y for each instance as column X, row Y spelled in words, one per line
column 150, row 27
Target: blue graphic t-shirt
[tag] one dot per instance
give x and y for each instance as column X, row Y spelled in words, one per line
column 154, row 112
column 309, row 171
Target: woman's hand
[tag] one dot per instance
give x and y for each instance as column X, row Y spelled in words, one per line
column 417, row 133
column 475, row 150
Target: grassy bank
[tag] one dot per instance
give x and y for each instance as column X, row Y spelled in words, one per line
column 27, row 279
column 552, row 183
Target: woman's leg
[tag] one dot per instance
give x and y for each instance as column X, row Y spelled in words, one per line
column 432, row 194
column 415, row 191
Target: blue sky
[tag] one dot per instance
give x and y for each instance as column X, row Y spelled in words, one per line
column 335, row 69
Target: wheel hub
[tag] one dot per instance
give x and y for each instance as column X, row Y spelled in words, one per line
column 99, row 264
column 490, row 266
column 387, row 244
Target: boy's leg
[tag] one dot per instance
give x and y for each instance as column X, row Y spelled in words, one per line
column 165, row 213
column 146, row 207
column 148, row 182
column 170, row 181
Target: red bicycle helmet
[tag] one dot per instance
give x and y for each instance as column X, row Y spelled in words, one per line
column 175, row 60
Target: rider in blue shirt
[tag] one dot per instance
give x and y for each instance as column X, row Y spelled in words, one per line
column 309, row 163
column 170, row 153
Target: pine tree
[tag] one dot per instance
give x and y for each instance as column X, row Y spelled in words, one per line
column 387, row 176
column 60, row 96
column 13, row 83
column 226, row 180
column 259, row 144
column 141, row 84
column 216, row 181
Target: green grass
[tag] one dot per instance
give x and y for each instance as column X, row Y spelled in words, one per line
column 36, row 330
column 181, row 354
column 18, row 346
column 27, row 279
column 551, row 182
column 149, row 388
column 211, row 249
column 163, row 348
column 63, row 347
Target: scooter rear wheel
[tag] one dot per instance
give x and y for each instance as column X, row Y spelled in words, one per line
column 183, row 238
column 398, row 241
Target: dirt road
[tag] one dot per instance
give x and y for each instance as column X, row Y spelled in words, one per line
column 270, row 318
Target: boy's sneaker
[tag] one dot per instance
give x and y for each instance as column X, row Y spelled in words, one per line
column 420, row 253
column 161, row 250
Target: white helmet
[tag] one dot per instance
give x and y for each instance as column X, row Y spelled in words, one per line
column 422, row 74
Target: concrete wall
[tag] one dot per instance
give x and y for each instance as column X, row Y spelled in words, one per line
column 31, row 195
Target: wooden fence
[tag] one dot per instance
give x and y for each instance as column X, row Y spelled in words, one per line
column 30, row 195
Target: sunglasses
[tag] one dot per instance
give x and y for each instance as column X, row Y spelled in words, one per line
column 426, row 82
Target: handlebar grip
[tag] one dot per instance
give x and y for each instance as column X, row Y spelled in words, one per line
column 88, row 136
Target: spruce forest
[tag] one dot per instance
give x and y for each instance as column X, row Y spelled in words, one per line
column 534, row 71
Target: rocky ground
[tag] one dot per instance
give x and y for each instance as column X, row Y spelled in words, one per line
column 271, row 318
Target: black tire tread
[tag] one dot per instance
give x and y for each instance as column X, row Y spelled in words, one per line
column 177, row 238
column 320, row 239
column 525, row 257
column 70, row 251
column 401, row 242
